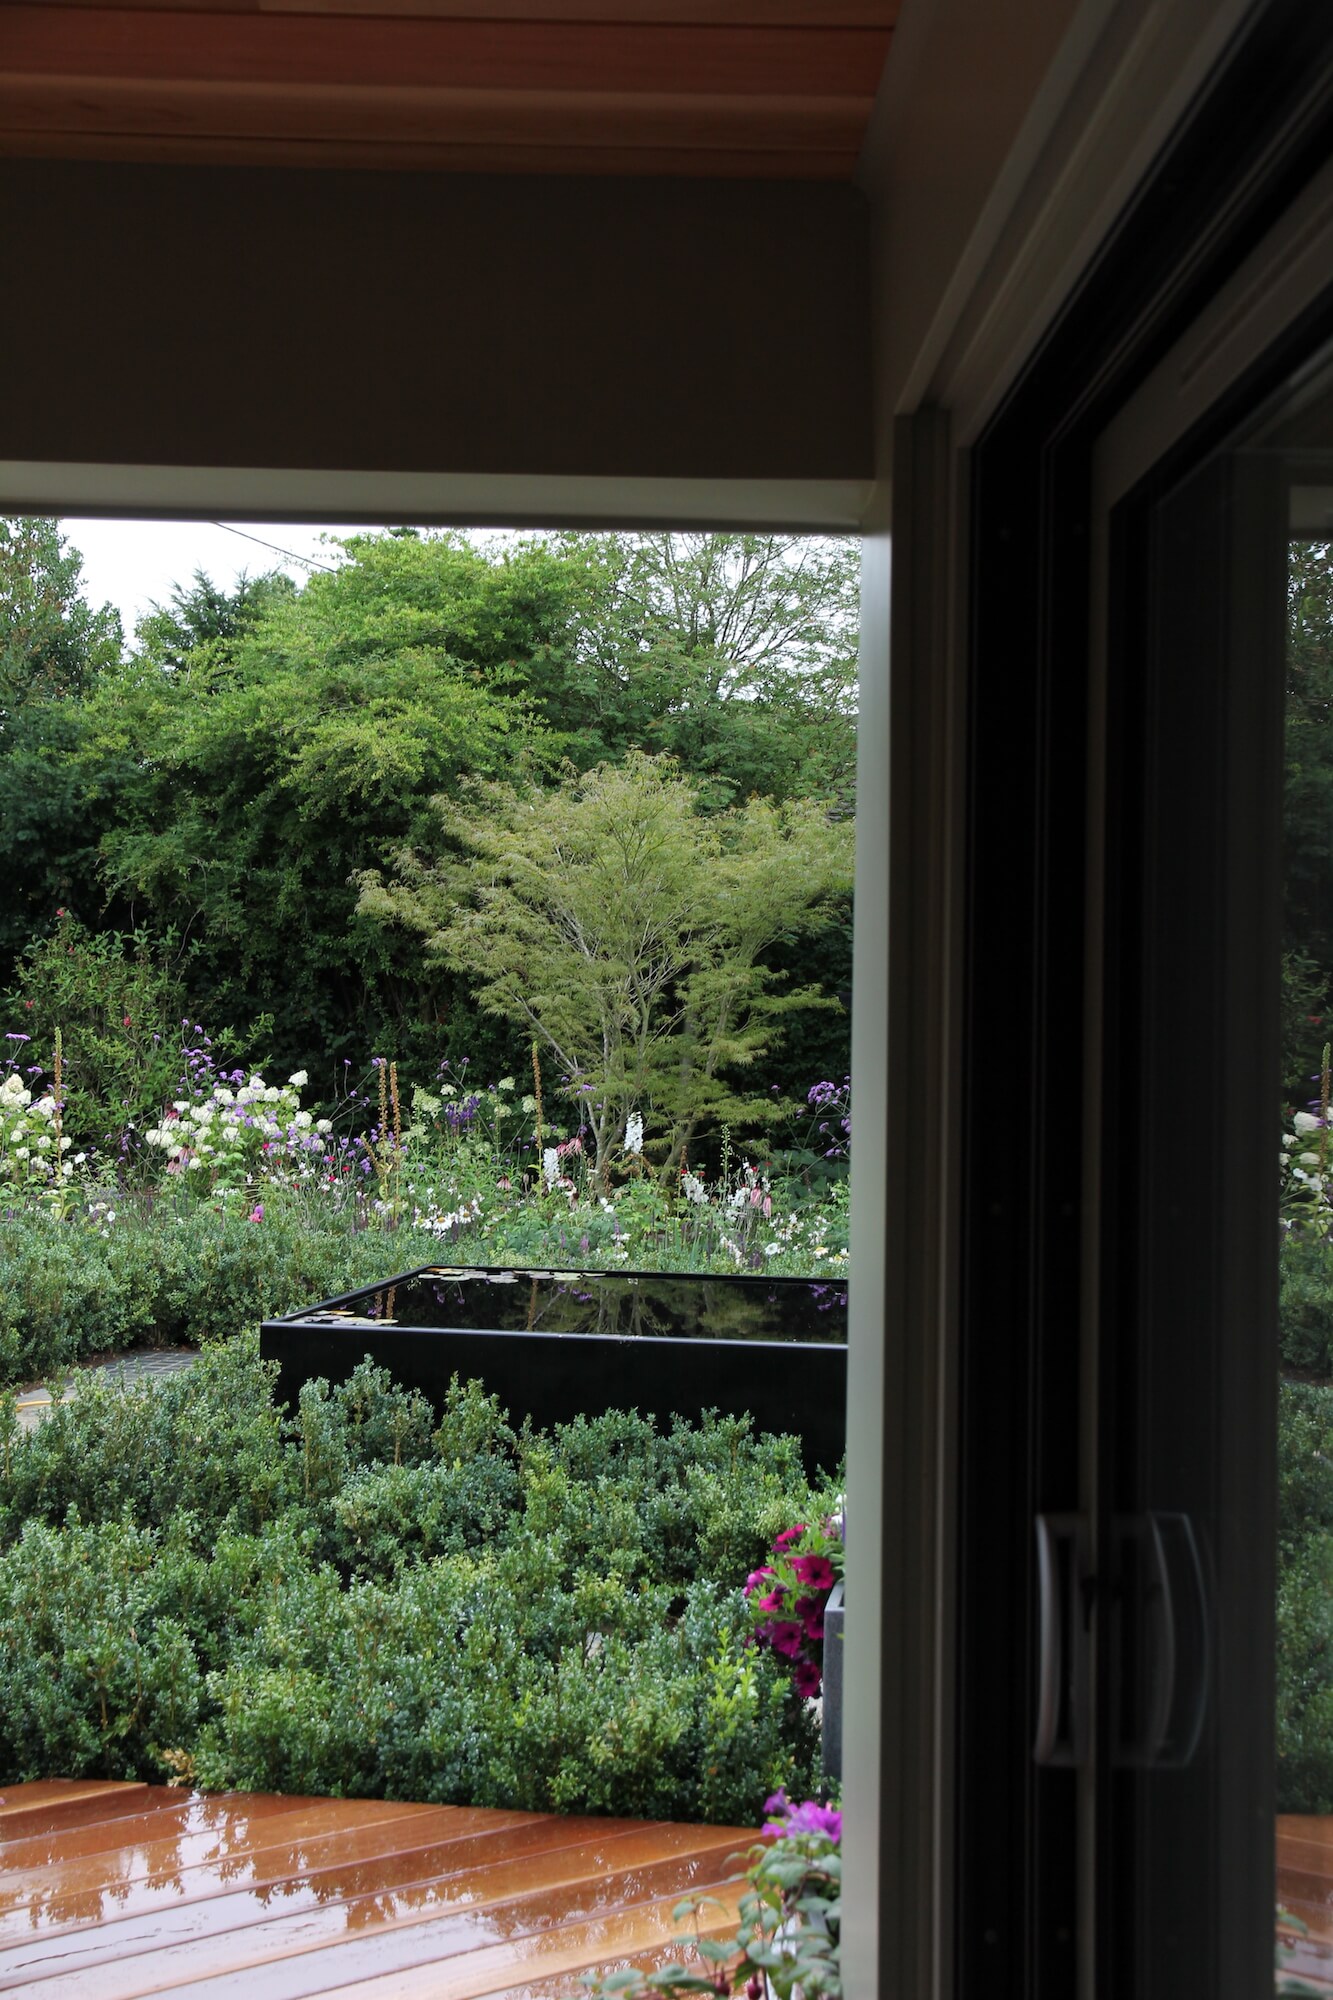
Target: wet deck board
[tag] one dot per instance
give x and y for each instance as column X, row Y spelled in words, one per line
column 112, row 1891
column 1305, row 1892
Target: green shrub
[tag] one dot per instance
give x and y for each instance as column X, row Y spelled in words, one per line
column 119, row 1004
column 1305, row 1307
column 66, row 1292
column 366, row 1596
column 1305, row 1598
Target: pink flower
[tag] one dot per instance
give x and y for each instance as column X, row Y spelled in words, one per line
column 257, row 1212
column 787, row 1537
column 817, row 1571
column 810, row 1611
column 756, row 1580
column 787, row 1639
column 808, row 1680
column 775, row 1601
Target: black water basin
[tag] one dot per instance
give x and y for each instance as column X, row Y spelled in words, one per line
column 554, row 1344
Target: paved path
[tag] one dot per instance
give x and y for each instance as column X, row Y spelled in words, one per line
column 140, row 1365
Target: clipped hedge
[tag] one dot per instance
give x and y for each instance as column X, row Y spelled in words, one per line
column 374, row 1598
column 172, row 1278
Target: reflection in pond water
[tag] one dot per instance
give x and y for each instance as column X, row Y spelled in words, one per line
column 618, row 1305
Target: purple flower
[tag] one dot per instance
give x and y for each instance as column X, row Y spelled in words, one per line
column 787, row 1639
column 810, row 1817
column 816, row 1571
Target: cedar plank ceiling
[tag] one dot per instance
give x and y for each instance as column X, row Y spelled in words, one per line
column 750, row 88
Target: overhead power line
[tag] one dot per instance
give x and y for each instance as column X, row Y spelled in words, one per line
column 290, row 554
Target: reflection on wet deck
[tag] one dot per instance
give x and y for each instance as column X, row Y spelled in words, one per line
column 1305, row 1892
column 109, row 1891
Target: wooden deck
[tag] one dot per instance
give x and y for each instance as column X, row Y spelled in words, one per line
column 1305, row 1891
column 109, row 1891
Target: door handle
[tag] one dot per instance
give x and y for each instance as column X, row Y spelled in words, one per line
column 1064, row 1674
column 1162, row 1643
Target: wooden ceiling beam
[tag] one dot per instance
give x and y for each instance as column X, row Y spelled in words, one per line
column 514, row 118
column 420, row 156
column 826, row 14
column 455, row 54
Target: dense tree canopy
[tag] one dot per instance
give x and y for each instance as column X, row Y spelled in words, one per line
column 229, row 779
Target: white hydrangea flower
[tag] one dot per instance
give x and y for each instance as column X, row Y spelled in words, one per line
column 324, row 1125
column 1305, row 1121
column 298, row 1079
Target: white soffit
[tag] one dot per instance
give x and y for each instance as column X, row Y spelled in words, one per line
column 457, row 499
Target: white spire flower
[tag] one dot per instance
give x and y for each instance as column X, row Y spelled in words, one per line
column 634, row 1133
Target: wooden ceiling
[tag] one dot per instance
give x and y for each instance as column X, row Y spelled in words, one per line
column 751, row 88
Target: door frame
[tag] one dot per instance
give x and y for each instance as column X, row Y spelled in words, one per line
column 1246, row 152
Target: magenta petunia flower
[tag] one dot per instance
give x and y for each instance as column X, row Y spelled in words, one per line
column 812, row 1621
column 788, row 1640
column 775, row 1601
column 756, row 1580
column 787, row 1537
column 808, row 1679
column 817, row 1571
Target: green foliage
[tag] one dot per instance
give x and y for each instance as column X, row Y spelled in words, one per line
column 278, row 771
column 262, row 746
column 53, row 645
column 628, row 934
column 1305, row 1598
column 364, row 1600
column 53, row 649
column 118, row 1003
column 788, row 1944
column 1305, row 1311
column 733, row 654
column 164, row 1270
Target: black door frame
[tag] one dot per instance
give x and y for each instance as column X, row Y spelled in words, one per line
column 1255, row 135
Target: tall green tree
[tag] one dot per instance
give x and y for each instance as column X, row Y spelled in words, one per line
column 292, row 742
column 734, row 653
column 627, row 933
column 53, row 644
column 54, row 649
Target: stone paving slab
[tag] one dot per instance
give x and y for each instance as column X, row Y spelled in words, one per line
column 139, row 1365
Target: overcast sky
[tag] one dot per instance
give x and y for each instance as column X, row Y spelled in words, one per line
column 133, row 564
